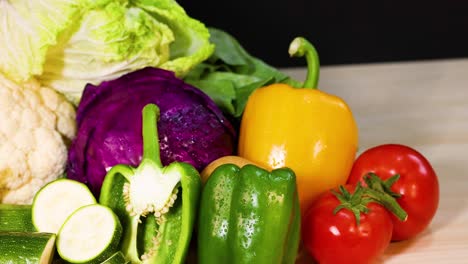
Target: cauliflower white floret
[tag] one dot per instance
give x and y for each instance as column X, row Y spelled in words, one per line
column 36, row 125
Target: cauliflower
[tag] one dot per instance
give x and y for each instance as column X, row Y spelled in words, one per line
column 36, row 125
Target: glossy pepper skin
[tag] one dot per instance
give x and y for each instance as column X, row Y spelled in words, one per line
column 156, row 205
column 249, row 215
column 312, row 132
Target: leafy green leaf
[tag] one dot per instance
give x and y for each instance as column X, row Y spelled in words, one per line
column 228, row 49
column 231, row 74
column 223, row 94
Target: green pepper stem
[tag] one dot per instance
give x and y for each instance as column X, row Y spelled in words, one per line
column 150, row 134
column 300, row 47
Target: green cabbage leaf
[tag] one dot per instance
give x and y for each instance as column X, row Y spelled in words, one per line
column 67, row 44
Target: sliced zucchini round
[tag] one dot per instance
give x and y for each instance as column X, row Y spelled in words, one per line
column 91, row 234
column 55, row 201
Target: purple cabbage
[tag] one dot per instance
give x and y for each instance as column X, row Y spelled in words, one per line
column 191, row 127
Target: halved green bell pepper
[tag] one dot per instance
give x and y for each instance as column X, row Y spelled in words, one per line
column 157, row 223
column 249, row 215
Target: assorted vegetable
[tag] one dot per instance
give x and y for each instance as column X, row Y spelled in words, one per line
column 67, row 44
column 344, row 226
column 37, row 124
column 157, row 205
column 54, row 203
column 230, row 159
column 64, row 217
column 409, row 177
column 307, row 130
column 116, row 258
column 230, row 74
column 241, row 208
column 191, row 127
column 27, row 247
column 91, row 234
column 16, row 218
column 181, row 141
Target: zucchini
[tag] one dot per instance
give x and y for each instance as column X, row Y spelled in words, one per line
column 91, row 234
column 117, row 258
column 56, row 201
column 27, row 247
column 16, row 217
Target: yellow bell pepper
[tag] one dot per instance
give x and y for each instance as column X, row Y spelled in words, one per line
column 305, row 129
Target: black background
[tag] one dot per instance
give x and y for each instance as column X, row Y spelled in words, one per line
column 343, row 32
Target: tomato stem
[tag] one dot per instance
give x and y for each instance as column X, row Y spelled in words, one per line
column 381, row 193
column 355, row 202
column 377, row 191
column 375, row 182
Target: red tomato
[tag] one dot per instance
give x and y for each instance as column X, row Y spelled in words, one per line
column 336, row 238
column 418, row 184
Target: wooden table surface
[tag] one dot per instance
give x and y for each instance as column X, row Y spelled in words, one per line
column 422, row 104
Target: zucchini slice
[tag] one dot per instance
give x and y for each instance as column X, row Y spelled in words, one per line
column 57, row 200
column 27, row 247
column 16, row 218
column 91, row 234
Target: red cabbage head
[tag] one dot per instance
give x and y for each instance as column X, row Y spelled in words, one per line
column 191, row 127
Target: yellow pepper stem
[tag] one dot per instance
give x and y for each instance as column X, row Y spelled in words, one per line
column 300, row 47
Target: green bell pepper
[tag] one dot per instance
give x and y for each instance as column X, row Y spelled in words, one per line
column 157, row 224
column 249, row 215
